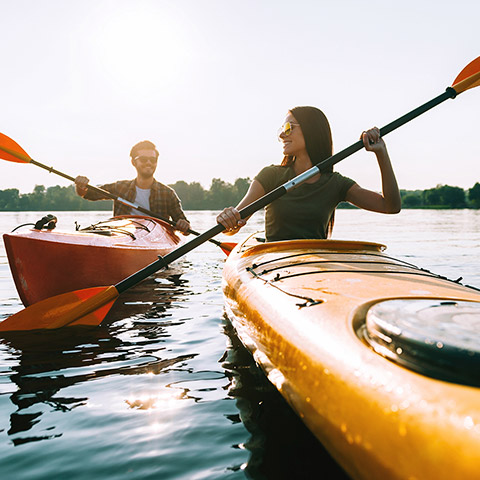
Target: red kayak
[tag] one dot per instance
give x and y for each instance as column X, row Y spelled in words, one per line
column 45, row 263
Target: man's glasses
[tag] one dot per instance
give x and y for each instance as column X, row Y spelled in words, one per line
column 286, row 129
column 146, row 159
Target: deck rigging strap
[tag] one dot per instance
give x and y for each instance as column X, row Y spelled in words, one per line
column 390, row 261
column 104, row 228
column 322, row 252
column 309, row 301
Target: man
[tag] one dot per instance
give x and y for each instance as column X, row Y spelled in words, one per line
column 144, row 190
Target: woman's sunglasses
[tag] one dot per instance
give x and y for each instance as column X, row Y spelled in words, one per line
column 287, row 128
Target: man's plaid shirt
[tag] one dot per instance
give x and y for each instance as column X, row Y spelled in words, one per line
column 163, row 199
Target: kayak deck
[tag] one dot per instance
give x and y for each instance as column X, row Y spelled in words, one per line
column 299, row 307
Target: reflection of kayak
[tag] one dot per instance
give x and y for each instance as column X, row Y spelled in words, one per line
column 378, row 357
column 45, row 263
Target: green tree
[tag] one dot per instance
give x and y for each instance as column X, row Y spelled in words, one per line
column 34, row 201
column 9, row 199
column 453, row 197
column 220, row 195
column 412, row 200
column 192, row 194
column 64, row 199
column 445, row 196
column 241, row 187
column 37, row 198
column 431, row 197
column 474, row 195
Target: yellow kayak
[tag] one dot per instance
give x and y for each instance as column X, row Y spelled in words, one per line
column 377, row 356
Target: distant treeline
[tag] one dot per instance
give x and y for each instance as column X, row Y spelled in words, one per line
column 442, row 196
column 220, row 194
column 193, row 196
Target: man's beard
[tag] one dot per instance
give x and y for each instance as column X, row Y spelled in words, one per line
column 145, row 175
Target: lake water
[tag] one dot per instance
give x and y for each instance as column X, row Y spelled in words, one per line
column 165, row 390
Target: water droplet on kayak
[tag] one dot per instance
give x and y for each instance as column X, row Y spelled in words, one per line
column 468, row 422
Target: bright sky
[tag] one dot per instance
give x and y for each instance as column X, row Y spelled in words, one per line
column 210, row 81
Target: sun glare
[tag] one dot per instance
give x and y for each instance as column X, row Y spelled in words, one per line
column 141, row 50
column 164, row 399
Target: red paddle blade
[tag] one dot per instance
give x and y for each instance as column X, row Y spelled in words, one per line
column 227, row 247
column 469, row 77
column 12, row 151
column 80, row 307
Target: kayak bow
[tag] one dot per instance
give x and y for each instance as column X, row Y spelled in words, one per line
column 337, row 327
column 45, row 263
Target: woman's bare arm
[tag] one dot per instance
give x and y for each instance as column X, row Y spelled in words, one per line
column 389, row 200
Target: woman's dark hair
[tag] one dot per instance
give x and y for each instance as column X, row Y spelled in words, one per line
column 318, row 142
column 317, row 134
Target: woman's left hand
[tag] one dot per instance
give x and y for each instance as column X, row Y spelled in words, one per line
column 232, row 221
column 372, row 140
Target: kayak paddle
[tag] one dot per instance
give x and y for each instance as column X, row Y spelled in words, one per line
column 90, row 306
column 11, row 151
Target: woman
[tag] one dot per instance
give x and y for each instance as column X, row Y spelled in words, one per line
column 308, row 210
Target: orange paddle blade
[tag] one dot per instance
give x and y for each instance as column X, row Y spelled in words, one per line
column 227, row 247
column 80, row 307
column 469, row 77
column 12, row 151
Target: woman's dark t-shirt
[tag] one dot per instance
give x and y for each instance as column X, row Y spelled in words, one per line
column 305, row 211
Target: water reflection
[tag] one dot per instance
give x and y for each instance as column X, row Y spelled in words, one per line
column 144, row 396
column 130, row 342
column 163, row 399
column 280, row 446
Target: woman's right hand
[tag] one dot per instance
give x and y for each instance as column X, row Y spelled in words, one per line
column 81, row 185
column 231, row 220
column 372, row 140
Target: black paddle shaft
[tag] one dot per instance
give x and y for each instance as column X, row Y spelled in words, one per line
column 449, row 93
column 277, row 193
